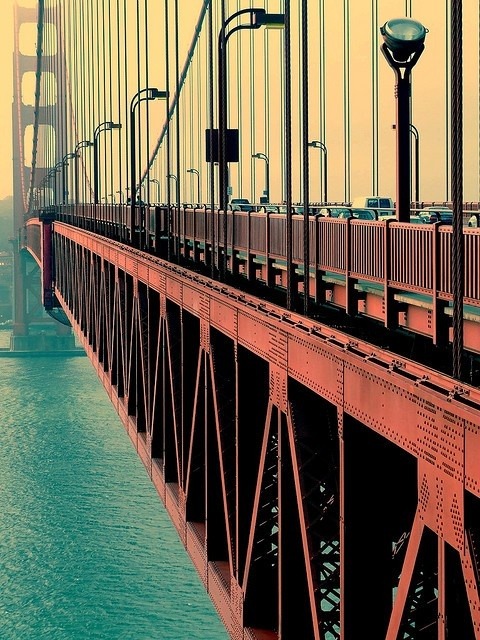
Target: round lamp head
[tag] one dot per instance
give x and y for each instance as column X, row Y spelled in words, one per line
column 404, row 37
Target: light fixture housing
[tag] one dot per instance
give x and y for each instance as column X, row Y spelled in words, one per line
column 260, row 18
column 403, row 37
column 156, row 94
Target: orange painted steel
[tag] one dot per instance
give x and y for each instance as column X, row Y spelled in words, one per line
column 396, row 273
column 322, row 487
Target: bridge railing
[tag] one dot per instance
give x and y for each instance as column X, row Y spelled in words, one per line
column 410, row 257
column 412, row 248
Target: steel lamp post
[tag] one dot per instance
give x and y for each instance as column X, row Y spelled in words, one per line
column 53, row 195
column 416, row 154
column 416, row 136
column 258, row 18
column 262, row 156
column 157, row 182
column 316, row 144
column 197, row 173
column 80, row 145
column 65, row 160
column 402, row 47
column 172, row 176
column 108, row 125
column 149, row 93
column 58, row 167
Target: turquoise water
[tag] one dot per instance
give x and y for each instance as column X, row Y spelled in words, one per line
column 86, row 549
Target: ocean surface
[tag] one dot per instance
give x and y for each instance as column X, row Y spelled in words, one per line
column 86, row 549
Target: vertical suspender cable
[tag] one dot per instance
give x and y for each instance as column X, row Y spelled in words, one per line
column 88, row 101
column 197, row 90
column 110, row 94
column 101, row 116
column 193, row 132
column 267, row 100
column 72, row 129
column 138, row 138
column 147, row 106
column 211, row 134
column 91, row 78
column 60, row 111
column 448, row 57
column 167, row 82
column 252, row 103
column 457, row 187
column 322, row 84
column 119, row 98
column 283, row 168
column 80, row 107
column 46, row 69
column 222, row 64
column 288, row 157
column 239, row 102
column 177, row 130
column 305, row 124
column 125, row 84
column 298, row 92
column 346, row 95
column 374, row 96
column 106, row 114
column 68, row 60
column 50, row 112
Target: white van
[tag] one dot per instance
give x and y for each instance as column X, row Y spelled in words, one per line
column 373, row 202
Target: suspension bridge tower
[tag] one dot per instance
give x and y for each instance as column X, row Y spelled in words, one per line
column 33, row 328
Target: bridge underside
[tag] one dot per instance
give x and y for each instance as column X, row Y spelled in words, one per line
column 253, row 425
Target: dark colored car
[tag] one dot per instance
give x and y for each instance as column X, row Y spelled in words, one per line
column 299, row 209
column 275, row 208
column 241, row 204
column 348, row 212
column 438, row 214
column 364, row 214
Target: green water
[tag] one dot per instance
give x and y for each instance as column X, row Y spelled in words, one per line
column 86, row 550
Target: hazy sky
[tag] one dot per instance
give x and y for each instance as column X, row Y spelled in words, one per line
column 6, row 65
column 428, row 88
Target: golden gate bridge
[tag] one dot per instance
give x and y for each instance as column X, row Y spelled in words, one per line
column 301, row 388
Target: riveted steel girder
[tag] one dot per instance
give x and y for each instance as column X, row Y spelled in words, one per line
column 323, row 488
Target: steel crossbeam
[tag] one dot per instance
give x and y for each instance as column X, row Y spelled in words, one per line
column 297, row 465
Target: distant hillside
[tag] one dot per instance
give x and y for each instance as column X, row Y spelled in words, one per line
column 6, row 223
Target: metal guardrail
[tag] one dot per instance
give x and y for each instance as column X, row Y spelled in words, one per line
column 409, row 257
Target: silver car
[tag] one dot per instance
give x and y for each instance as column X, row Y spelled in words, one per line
column 334, row 212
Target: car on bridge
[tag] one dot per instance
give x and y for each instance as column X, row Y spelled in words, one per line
column 347, row 212
column 240, row 204
column 419, row 220
column 473, row 221
column 437, row 214
column 414, row 219
column 362, row 214
column 333, row 212
column 382, row 205
column 299, row 209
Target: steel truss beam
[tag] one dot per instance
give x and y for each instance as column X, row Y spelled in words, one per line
column 322, row 488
